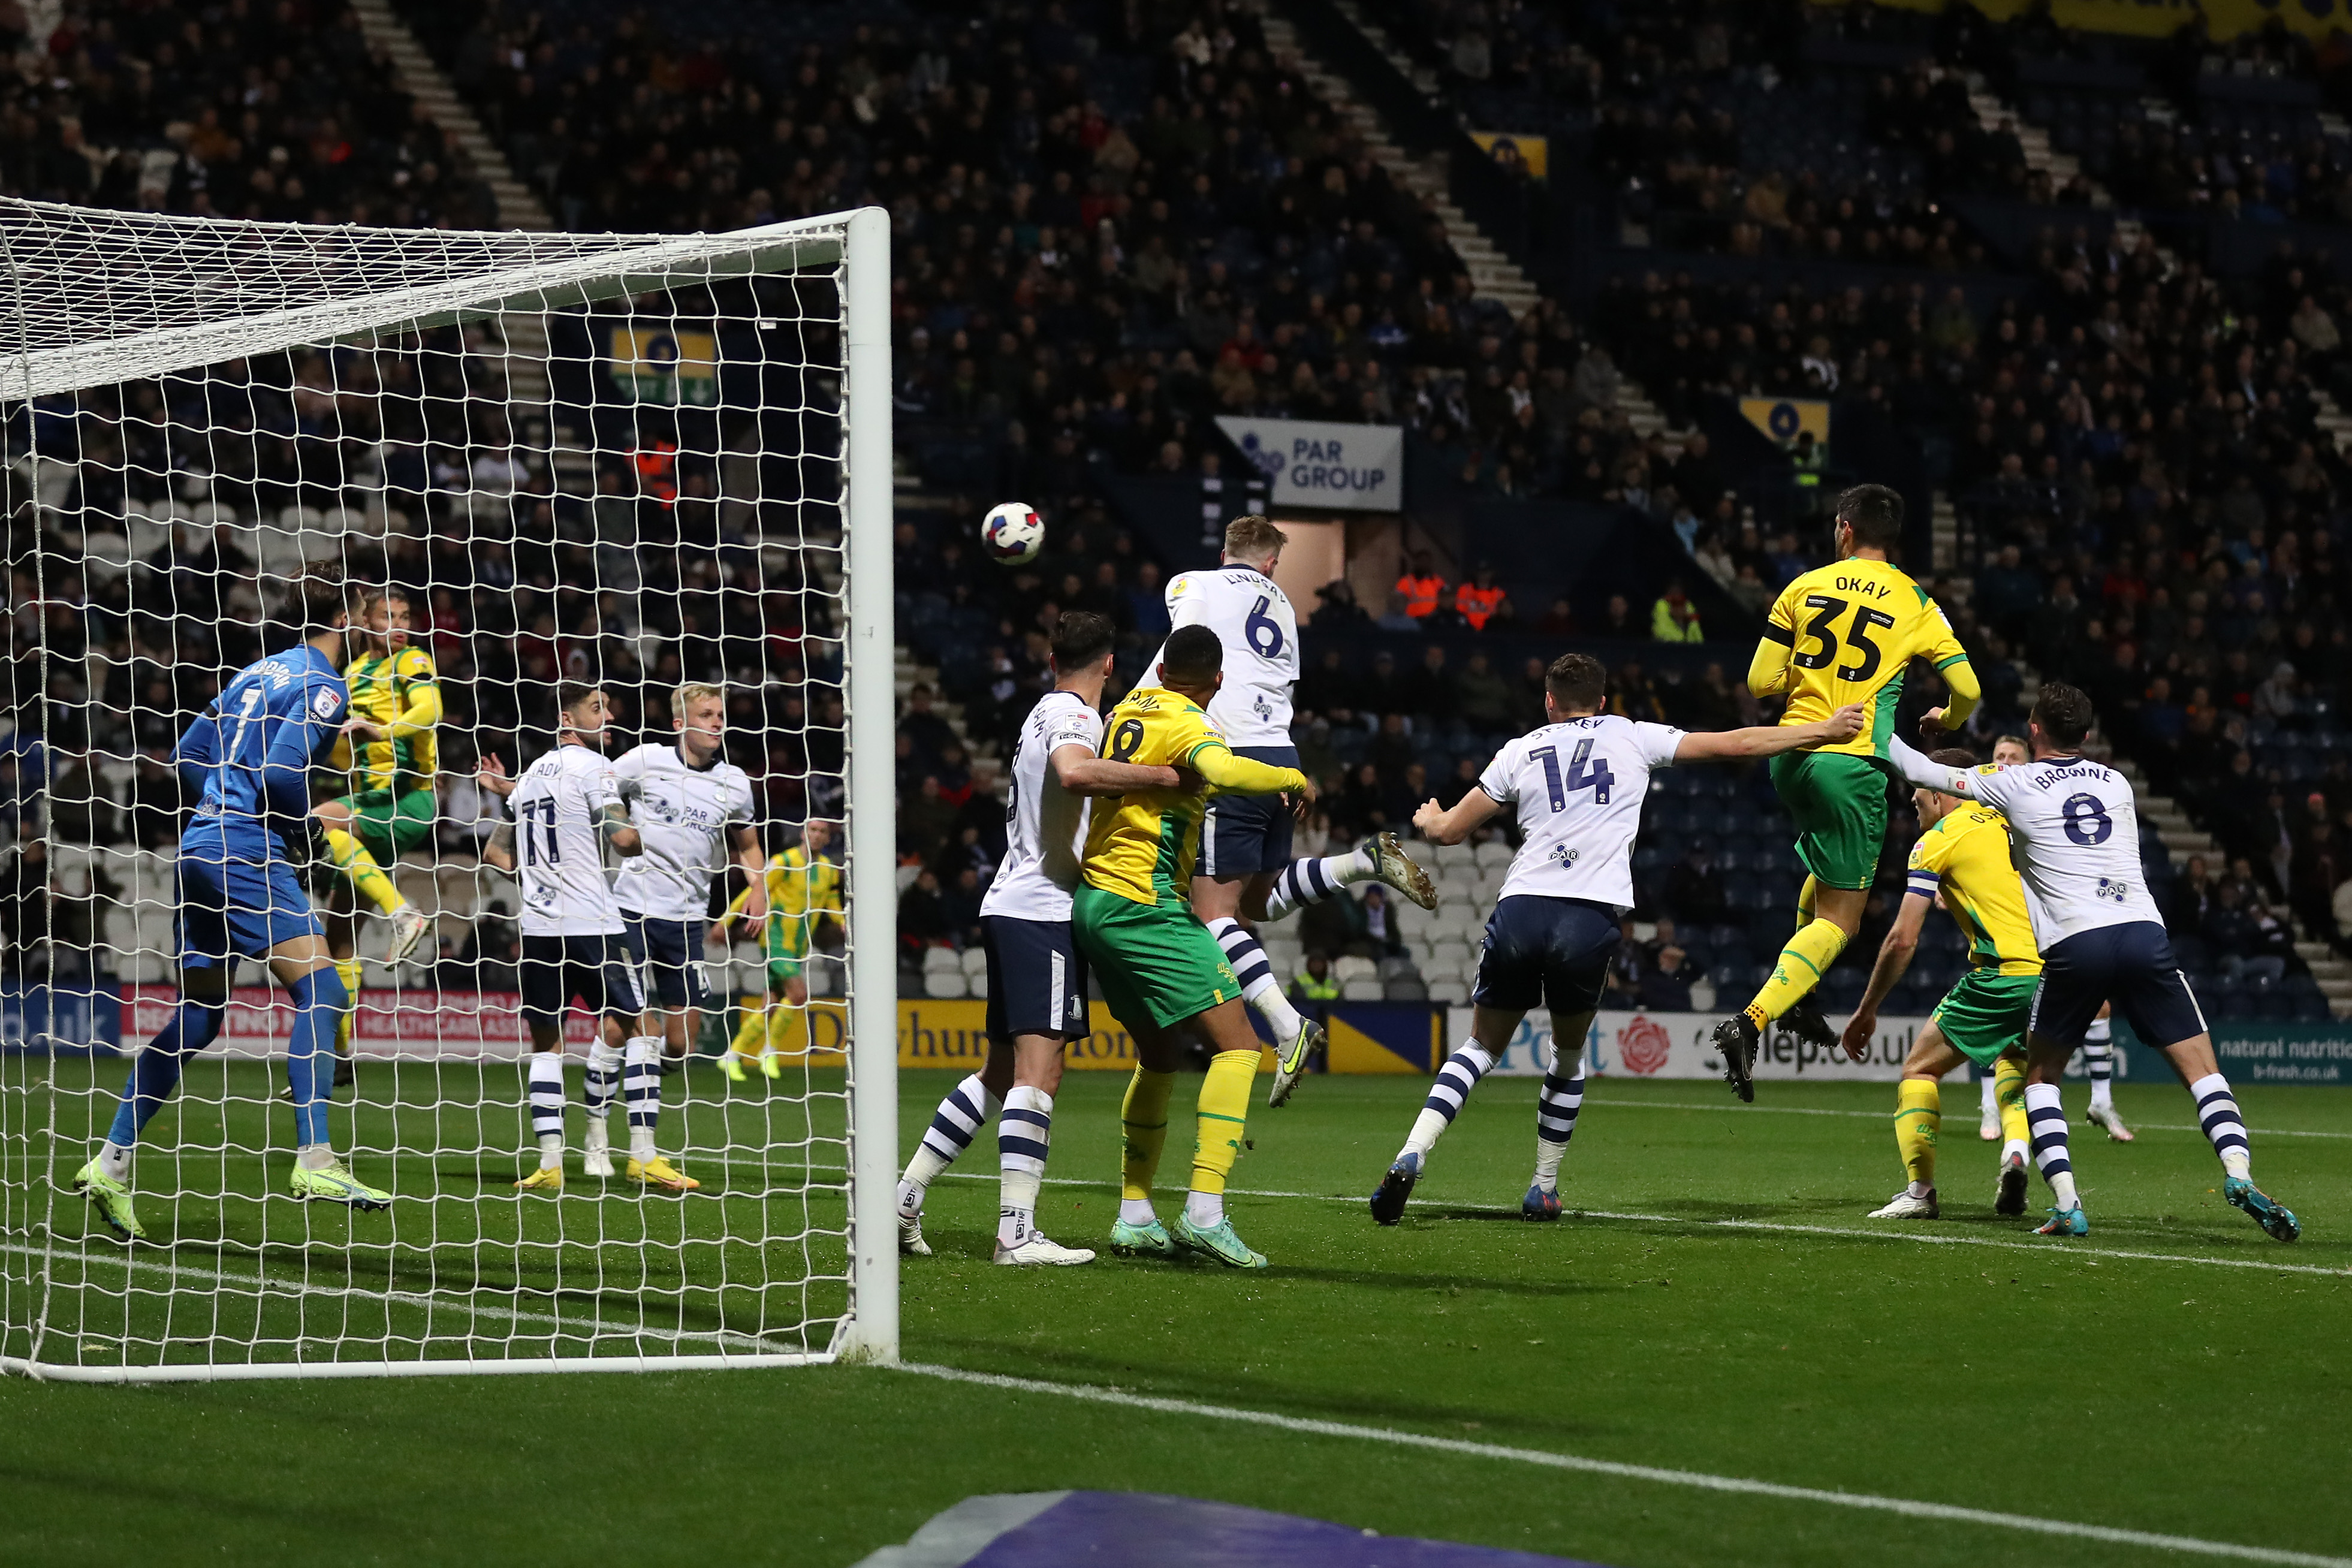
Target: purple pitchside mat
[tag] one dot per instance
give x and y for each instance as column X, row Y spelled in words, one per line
column 1096, row 1529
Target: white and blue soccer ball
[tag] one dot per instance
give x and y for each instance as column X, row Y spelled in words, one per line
column 1011, row 534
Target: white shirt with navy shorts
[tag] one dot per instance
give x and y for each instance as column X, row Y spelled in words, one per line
column 1037, row 981
column 683, row 813
column 1242, row 836
column 2076, row 826
column 1578, row 787
column 571, row 924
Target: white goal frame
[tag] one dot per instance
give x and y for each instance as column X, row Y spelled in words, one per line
column 279, row 285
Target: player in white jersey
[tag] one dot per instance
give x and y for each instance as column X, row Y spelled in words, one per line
column 2098, row 1048
column 685, row 799
column 1037, row 980
column 567, row 810
column 1578, row 785
column 2077, row 829
column 1245, row 870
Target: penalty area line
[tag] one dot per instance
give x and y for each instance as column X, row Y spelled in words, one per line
column 1743, row 1110
column 1696, row 1480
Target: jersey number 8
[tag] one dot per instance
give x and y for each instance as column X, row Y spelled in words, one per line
column 2086, row 819
column 1857, row 637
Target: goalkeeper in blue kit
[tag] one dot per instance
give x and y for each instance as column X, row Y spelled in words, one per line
column 241, row 896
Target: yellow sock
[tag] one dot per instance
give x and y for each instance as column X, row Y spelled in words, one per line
column 352, row 858
column 785, row 1027
column 753, row 1031
column 2008, row 1093
column 1801, row 964
column 1806, row 899
column 1223, row 1117
column 349, row 969
column 1143, row 1128
column 1918, row 1117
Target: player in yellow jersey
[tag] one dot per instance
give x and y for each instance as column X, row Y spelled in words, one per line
column 803, row 888
column 389, row 754
column 1838, row 634
column 1161, row 971
column 1962, row 854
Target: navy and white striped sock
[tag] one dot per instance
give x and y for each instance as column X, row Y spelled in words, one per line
column 641, row 1093
column 2045, row 1123
column 958, row 1121
column 546, row 1081
column 1460, row 1075
column 1556, row 1104
column 1023, row 1136
column 2217, row 1112
column 2099, row 1056
column 603, row 1079
column 1309, row 881
column 1255, row 972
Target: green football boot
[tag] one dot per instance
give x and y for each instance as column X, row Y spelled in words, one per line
column 111, row 1199
column 1149, row 1240
column 336, row 1185
column 1219, row 1242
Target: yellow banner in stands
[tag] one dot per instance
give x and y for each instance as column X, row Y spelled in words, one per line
column 2224, row 19
column 654, row 364
column 1534, row 151
column 1784, row 418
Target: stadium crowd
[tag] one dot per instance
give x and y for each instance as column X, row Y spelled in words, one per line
column 1116, row 222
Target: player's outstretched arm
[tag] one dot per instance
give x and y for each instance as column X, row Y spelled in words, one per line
column 1452, row 824
column 1770, row 740
column 1080, row 771
column 1895, row 956
column 1922, row 774
column 492, row 776
column 1229, row 774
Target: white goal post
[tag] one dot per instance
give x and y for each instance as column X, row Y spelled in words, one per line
column 642, row 462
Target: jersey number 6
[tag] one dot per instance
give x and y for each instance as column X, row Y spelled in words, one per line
column 1867, row 655
column 1265, row 634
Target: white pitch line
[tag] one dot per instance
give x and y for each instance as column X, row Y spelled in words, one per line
column 1881, row 1115
column 2067, row 1249
column 1698, row 1480
column 442, row 1300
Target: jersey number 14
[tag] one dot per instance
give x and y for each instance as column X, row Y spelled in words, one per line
column 1598, row 778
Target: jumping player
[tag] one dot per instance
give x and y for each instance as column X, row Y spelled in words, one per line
column 1037, row 981
column 1245, row 870
column 2077, row 830
column 1578, row 785
column 1838, row 634
column 240, row 896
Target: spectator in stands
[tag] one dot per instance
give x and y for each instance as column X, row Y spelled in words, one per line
column 922, row 914
column 1314, row 988
column 1421, row 587
column 1665, row 986
column 1617, row 621
column 1384, row 921
column 1693, row 890
column 1477, row 600
column 1428, row 692
column 1673, row 618
column 1482, row 698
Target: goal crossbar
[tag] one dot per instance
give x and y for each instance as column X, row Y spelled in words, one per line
column 48, row 344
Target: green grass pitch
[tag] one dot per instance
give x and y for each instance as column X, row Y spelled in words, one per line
column 2197, row 1390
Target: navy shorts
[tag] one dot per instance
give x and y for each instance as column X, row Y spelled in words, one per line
column 239, row 897
column 668, row 957
column 2132, row 967
column 1037, row 981
column 1550, row 952
column 558, row 968
column 1246, row 833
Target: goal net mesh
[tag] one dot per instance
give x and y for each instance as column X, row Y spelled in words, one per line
column 611, row 458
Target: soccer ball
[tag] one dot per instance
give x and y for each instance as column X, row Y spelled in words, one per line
column 1013, row 533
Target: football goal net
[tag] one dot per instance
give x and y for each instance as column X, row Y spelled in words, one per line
column 280, row 1095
